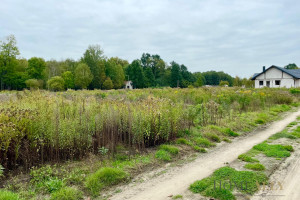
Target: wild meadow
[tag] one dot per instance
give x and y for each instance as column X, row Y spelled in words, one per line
column 41, row 127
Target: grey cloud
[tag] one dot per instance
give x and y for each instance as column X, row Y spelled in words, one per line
column 237, row 37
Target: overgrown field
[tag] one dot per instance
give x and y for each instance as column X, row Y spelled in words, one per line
column 40, row 126
column 104, row 135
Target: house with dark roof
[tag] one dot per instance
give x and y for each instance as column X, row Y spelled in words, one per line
column 276, row 77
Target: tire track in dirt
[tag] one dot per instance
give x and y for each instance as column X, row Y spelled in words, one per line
column 177, row 181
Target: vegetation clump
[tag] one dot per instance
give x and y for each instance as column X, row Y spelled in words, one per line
column 8, row 195
column 226, row 176
column 67, row 193
column 104, row 177
column 276, row 150
column 255, row 166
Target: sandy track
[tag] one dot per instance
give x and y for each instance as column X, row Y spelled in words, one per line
column 177, row 181
column 288, row 174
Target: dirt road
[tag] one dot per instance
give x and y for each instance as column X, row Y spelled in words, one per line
column 177, row 181
column 288, row 175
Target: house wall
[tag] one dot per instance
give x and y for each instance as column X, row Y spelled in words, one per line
column 274, row 74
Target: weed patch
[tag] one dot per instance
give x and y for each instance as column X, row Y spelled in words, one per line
column 255, row 166
column 276, row 150
column 8, row 195
column 225, row 176
column 104, row 177
column 67, row 193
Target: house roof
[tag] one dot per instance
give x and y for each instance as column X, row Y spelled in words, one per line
column 293, row 72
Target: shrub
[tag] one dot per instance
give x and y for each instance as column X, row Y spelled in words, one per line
column 67, row 193
column 255, row 166
column 8, row 195
column 169, row 148
column 104, row 177
column 108, row 84
column 56, row 83
column 33, row 83
column 54, row 184
column 163, row 155
column 295, row 91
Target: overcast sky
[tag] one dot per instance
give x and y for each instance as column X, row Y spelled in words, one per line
column 236, row 36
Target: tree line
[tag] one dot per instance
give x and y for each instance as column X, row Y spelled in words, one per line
column 96, row 71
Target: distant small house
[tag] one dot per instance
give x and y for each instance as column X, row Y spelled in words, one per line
column 276, row 77
column 128, row 85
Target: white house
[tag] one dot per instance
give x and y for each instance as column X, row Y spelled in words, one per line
column 128, row 85
column 276, row 77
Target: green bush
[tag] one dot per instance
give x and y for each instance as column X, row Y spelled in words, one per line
column 54, row 184
column 8, row 195
column 56, row 83
column 295, row 91
column 163, row 155
column 255, row 166
column 169, row 148
column 67, row 193
column 104, row 177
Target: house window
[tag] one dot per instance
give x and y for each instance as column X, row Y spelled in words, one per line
column 261, row 83
column 277, row 82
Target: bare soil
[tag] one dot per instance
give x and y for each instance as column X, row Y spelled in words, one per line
column 166, row 182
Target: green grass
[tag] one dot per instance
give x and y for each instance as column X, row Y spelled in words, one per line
column 163, row 155
column 104, row 177
column 245, row 157
column 227, row 175
column 199, row 149
column 275, row 150
column 283, row 134
column 255, row 166
column 67, row 193
column 169, row 148
column 8, row 195
column 178, row 196
column 182, row 141
column 213, row 137
column 203, row 142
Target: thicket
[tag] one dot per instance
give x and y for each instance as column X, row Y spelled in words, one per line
column 40, row 126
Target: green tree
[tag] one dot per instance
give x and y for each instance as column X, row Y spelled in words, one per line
column 136, row 74
column 56, row 83
column 115, row 71
column 33, row 84
column 200, row 79
column 94, row 58
column 68, row 79
column 291, row 66
column 175, row 75
column 108, row 84
column 83, row 76
column 8, row 61
column 224, row 83
column 36, row 67
column 149, row 77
